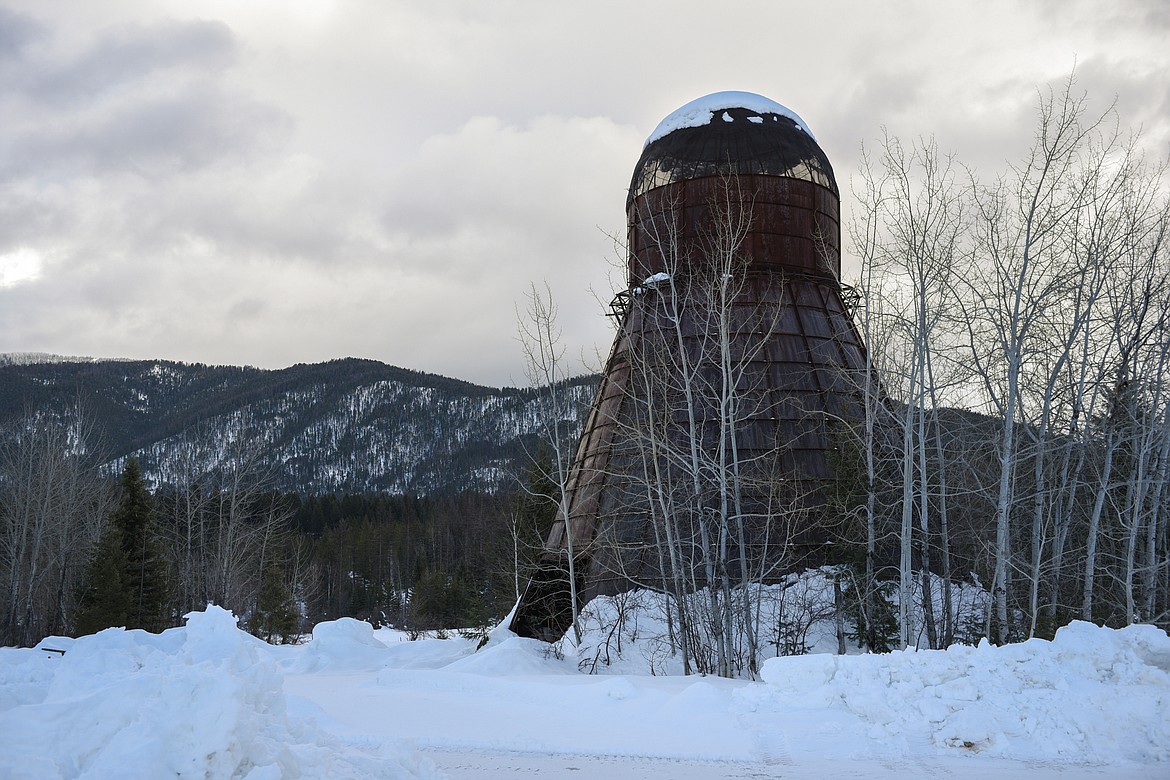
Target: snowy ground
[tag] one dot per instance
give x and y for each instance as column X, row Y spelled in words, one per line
column 209, row 700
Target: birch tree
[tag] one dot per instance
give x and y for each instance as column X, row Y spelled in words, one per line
column 54, row 504
column 544, row 351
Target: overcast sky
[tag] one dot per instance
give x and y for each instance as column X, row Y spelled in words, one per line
column 268, row 182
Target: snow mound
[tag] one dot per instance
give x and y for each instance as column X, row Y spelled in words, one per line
column 702, row 110
column 1010, row 702
column 429, row 653
column 205, row 701
column 342, row 645
column 24, row 676
column 515, row 655
column 630, row 633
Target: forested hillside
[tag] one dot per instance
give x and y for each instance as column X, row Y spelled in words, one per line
column 346, row 488
column 346, row 426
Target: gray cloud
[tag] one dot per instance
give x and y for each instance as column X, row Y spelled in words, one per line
column 17, row 32
column 384, row 180
column 151, row 136
column 142, row 99
column 132, row 56
column 1126, row 16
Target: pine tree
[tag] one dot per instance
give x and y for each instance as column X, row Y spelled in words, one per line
column 145, row 576
column 429, row 599
column 536, row 503
column 275, row 616
column 105, row 601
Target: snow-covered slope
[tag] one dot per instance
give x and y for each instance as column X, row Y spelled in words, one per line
column 30, row 358
column 343, row 426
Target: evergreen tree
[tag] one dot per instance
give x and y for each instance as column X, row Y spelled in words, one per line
column 536, row 503
column 275, row 617
column 430, row 602
column 145, row 576
column 534, row 511
column 105, row 600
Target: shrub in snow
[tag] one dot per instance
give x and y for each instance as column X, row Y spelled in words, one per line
column 638, row 632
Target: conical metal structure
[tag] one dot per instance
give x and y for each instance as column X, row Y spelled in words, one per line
column 708, row 451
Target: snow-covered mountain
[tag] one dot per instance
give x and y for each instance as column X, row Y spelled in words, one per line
column 347, row 425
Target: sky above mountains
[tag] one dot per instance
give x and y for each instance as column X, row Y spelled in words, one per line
column 267, row 183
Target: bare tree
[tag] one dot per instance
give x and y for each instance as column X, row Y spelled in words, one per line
column 541, row 338
column 1038, row 298
column 911, row 231
column 222, row 522
column 699, row 401
column 54, row 504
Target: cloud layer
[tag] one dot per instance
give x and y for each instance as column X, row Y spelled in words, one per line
column 267, row 183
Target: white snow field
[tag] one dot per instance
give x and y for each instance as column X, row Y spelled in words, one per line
column 210, row 701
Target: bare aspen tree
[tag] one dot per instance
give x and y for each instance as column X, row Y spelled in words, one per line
column 1084, row 257
column 912, row 234
column 696, row 345
column 667, row 366
column 1039, row 299
column 541, row 339
column 54, row 504
column 189, row 521
column 869, row 242
column 1137, row 312
column 221, row 522
column 1019, row 224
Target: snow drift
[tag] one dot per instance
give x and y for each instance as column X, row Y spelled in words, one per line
column 1091, row 692
column 210, row 701
column 205, row 701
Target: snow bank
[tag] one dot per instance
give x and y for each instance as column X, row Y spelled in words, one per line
column 342, row 645
column 210, row 701
column 429, row 653
column 205, row 701
column 630, row 633
column 513, row 655
column 1090, row 694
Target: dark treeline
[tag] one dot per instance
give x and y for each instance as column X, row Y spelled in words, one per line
column 410, row 561
column 82, row 549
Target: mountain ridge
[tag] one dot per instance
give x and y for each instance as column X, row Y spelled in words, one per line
column 344, row 425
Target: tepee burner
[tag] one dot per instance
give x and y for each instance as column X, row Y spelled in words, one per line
column 706, row 455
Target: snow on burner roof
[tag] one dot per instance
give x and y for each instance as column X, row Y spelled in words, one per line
column 700, row 111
